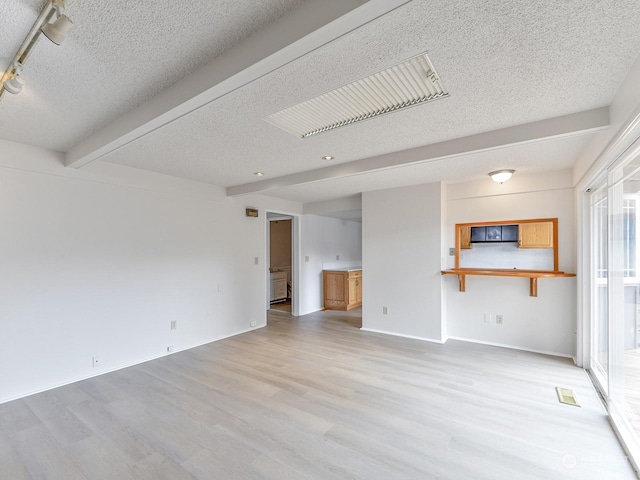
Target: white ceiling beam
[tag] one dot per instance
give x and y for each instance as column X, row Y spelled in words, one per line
column 344, row 204
column 567, row 125
column 303, row 30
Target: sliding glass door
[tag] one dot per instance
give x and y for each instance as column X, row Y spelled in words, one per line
column 615, row 295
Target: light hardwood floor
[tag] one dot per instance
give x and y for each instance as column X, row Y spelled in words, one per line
column 315, row 397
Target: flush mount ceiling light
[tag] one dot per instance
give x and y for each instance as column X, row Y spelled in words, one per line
column 404, row 85
column 501, row 176
column 11, row 80
column 328, row 157
column 259, row 174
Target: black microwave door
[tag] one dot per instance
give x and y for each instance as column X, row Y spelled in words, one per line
column 494, row 233
column 510, row 233
column 478, row 234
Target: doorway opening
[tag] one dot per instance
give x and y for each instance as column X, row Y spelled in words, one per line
column 282, row 286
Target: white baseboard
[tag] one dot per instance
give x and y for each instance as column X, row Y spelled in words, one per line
column 120, row 367
column 424, row 339
column 308, row 312
column 513, row 347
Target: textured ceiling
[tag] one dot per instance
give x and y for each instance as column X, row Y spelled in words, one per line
column 504, row 62
column 548, row 155
column 119, row 54
column 17, row 18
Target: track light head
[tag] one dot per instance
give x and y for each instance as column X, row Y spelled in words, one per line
column 57, row 31
column 14, row 85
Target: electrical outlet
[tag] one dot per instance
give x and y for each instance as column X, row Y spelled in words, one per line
column 385, row 311
column 452, row 252
column 499, row 320
column 256, row 260
column 306, row 258
column 174, row 324
column 337, row 257
column 96, row 362
column 170, row 348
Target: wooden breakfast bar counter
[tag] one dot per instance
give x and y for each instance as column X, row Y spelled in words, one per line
column 532, row 275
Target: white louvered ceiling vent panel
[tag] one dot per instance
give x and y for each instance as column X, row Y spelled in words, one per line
column 404, row 85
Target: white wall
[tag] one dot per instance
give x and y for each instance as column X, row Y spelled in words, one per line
column 98, row 261
column 322, row 239
column 602, row 151
column 545, row 323
column 402, row 254
column 624, row 106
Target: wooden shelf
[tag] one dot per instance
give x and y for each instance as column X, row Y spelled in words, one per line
column 532, row 275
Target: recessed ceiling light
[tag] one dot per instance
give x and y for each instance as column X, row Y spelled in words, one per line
column 259, row 174
column 328, row 157
column 404, row 85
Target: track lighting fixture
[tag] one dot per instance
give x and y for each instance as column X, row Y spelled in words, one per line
column 54, row 25
column 14, row 85
column 57, row 31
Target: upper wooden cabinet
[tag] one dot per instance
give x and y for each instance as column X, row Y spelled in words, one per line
column 499, row 255
column 535, row 235
column 465, row 238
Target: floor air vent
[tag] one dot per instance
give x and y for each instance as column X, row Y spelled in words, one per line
column 567, row 396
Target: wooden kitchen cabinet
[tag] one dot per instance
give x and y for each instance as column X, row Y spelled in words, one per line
column 465, row 238
column 535, row 235
column 342, row 289
column 358, row 300
column 541, row 233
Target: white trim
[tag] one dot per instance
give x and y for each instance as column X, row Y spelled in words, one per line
column 513, row 347
column 622, row 430
column 424, row 339
column 121, row 367
column 613, row 150
column 321, row 309
column 296, row 260
column 583, row 267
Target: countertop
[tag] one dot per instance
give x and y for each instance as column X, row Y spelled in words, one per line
column 343, row 269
